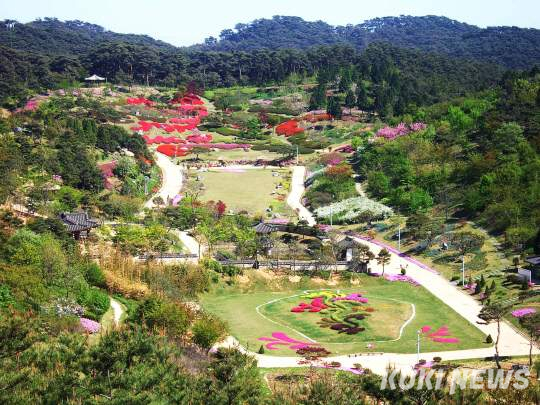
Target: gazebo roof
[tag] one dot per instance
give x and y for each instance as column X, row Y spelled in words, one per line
column 265, row 228
column 78, row 221
column 95, row 78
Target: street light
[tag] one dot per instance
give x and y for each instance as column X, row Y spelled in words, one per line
column 418, row 346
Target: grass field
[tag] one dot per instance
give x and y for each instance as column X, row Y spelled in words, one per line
column 258, row 314
column 247, row 189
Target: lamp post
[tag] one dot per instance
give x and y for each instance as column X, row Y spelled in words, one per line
column 146, row 178
column 462, row 270
column 399, row 237
column 418, row 346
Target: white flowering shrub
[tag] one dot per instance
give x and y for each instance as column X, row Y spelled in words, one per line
column 348, row 210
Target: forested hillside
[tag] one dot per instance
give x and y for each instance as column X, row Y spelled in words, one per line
column 511, row 47
column 70, row 38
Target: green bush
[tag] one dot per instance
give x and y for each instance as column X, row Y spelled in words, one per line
column 95, row 302
column 207, row 331
column 489, row 339
column 159, row 314
column 6, row 299
column 93, row 275
column 227, row 131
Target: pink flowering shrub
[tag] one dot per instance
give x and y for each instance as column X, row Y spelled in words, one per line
column 519, row 313
column 89, row 325
column 401, row 129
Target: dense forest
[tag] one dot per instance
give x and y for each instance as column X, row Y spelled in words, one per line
column 425, row 77
column 511, row 47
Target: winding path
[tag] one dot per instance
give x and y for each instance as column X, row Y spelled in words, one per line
column 294, row 199
column 118, row 311
column 172, row 180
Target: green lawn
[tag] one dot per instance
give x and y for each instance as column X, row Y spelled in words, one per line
column 253, row 315
column 247, row 189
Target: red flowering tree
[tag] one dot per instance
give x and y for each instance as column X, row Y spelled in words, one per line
column 220, row 208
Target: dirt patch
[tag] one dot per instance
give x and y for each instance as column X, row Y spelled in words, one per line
column 355, row 281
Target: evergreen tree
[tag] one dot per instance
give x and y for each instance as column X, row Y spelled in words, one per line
column 362, row 101
column 333, row 108
column 318, row 97
column 350, row 100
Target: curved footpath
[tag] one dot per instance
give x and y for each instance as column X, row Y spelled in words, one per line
column 172, row 180
column 294, row 199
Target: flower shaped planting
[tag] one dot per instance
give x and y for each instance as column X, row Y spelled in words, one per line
column 315, row 306
column 282, row 339
column 340, row 310
column 439, row 336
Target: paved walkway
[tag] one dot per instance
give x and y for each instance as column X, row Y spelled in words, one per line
column 172, row 180
column 294, row 199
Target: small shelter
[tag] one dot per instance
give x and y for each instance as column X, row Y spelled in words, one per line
column 94, row 79
column 78, row 224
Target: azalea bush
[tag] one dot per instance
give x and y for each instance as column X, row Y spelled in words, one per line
column 289, row 128
column 401, row 129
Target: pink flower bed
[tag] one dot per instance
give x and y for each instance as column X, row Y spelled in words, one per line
column 162, row 139
column 401, row 129
column 402, row 278
column 281, row 339
column 345, row 149
column 203, row 138
column 316, row 305
column 519, row 313
column 89, row 325
column 439, row 336
column 352, row 297
column 148, row 125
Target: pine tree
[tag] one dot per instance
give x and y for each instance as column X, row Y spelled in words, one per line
column 318, row 97
column 350, row 100
column 333, row 108
column 362, row 101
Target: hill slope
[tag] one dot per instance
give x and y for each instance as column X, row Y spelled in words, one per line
column 509, row 46
column 54, row 37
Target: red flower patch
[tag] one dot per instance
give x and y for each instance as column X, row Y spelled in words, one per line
column 316, row 305
column 289, row 128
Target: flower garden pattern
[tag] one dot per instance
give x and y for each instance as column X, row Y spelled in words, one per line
column 344, row 313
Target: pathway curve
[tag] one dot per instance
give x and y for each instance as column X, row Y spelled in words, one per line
column 171, row 182
column 118, row 311
column 191, row 244
column 294, row 199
